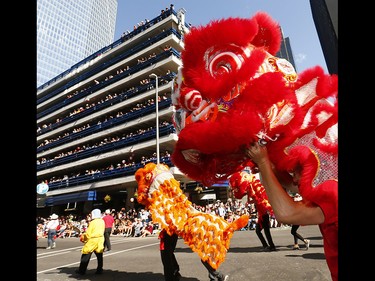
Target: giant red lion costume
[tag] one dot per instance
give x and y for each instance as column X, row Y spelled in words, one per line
column 232, row 91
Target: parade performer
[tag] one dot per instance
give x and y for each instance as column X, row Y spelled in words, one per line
column 244, row 183
column 319, row 205
column 234, row 98
column 206, row 234
column 93, row 240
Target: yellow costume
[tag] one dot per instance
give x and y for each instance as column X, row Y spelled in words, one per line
column 93, row 237
column 94, row 243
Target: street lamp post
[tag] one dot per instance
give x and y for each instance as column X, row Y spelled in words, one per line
column 157, row 116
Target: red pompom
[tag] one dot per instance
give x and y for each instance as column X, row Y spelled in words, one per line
column 190, row 98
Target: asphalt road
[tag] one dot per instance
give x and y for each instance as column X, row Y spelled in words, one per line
column 138, row 259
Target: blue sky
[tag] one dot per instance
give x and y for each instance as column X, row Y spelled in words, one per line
column 294, row 17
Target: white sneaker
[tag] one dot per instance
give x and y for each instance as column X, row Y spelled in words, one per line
column 48, row 248
column 307, row 244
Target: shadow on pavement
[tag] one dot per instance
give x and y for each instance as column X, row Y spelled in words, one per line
column 116, row 275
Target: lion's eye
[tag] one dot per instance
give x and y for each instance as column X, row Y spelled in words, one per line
column 148, row 176
column 224, row 59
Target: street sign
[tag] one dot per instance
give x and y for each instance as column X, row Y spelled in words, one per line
column 42, row 188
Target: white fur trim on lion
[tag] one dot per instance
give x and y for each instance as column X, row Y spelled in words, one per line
column 161, row 174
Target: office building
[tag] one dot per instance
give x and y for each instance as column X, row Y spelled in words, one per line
column 286, row 52
column 325, row 16
column 96, row 124
column 69, row 31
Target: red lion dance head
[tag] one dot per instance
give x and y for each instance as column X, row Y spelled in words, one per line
column 232, row 91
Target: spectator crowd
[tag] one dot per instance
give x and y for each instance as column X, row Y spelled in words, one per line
column 138, row 223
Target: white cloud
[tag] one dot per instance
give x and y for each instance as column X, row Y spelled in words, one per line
column 300, row 57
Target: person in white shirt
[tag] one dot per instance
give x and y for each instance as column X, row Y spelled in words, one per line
column 51, row 228
column 221, row 210
column 137, row 226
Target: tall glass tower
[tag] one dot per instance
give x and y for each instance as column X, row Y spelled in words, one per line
column 69, row 31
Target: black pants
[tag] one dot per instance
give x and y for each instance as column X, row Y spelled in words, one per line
column 296, row 235
column 170, row 264
column 266, row 227
column 85, row 259
column 107, row 235
column 213, row 274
